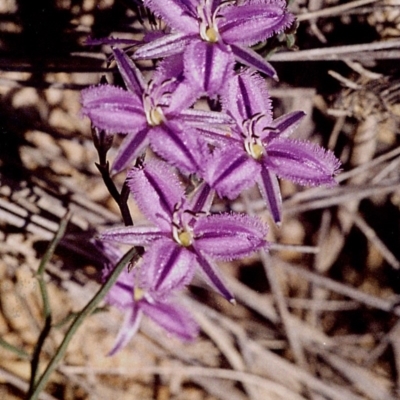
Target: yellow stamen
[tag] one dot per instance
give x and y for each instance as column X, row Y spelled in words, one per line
column 211, row 35
column 138, row 294
column 155, row 117
column 257, row 151
column 185, row 239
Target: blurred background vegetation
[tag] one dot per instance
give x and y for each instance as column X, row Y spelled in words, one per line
column 318, row 319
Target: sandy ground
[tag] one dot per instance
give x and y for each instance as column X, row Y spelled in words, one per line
column 317, row 318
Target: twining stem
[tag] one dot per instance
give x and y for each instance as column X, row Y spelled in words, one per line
column 132, row 254
column 121, row 199
column 104, row 169
column 103, row 142
column 45, row 299
column 123, row 205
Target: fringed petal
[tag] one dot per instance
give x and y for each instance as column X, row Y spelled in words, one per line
column 169, row 69
column 157, row 190
column 220, row 136
column 230, row 171
column 173, row 318
column 213, row 277
column 208, row 66
column 131, row 75
column 254, row 60
column 304, row 163
column 111, row 253
column 111, row 41
column 201, row 198
column 113, row 109
column 128, row 329
column 165, row 46
column 229, row 236
column 131, row 147
column 166, row 266
column 246, row 96
column 176, row 144
column 120, row 294
column 270, row 191
column 252, row 23
column 183, row 97
column 178, row 14
column 282, row 127
column 202, row 118
column 134, row 235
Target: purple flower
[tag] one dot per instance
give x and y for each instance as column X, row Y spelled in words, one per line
column 153, row 113
column 214, row 33
column 182, row 238
column 136, row 298
column 257, row 148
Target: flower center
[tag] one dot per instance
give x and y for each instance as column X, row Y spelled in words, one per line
column 153, row 99
column 211, row 35
column 255, row 150
column 155, row 116
column 138, row 294
column 182, row 232
column 252, row 142
column 185, row 239
column 208, row 26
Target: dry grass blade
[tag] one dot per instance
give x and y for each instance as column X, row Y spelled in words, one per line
column 374, row 238
column 341, row 196
column 365, row 381
column 224, row 342
column 300, row 330
column 271, row 388
column 332, row 11
column 345, row 290
column 351, row 52
column 21, row 384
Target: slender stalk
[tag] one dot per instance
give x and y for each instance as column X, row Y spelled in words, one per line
column 52, row 246
column 19, row 352
column 104, row 169
column 45, row 299
column 120, row 198
column 90, row 307
column 123, row 205
column 103, row 143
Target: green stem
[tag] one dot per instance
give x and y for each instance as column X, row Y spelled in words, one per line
column 90, row 307
column 53, row 244
column 19, row 352
column 36, row 354
column 45, row 299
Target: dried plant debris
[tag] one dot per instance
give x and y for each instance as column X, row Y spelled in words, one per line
column 316, row 318
column 385, row 18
